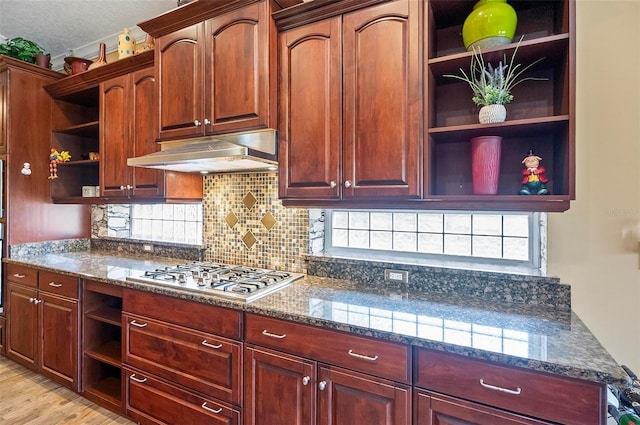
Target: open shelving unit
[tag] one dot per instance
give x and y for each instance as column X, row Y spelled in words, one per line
column 541, row 116
column 102, row 345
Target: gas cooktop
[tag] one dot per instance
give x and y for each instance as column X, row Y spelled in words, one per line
column 235, row 282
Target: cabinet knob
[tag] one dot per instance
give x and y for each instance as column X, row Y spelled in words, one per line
column 37, row 301
column 197, row 123
column 347, row 184
column 332, row 184
column 306, row 380
column 206, row 121
column 322, row 385
column 31, row 300
column 122, row 188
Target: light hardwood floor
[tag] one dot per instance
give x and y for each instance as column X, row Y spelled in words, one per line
column 27, row 398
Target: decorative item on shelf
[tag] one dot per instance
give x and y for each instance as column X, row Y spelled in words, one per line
column 43, row 60
column 534, row 181
column 73, row 65
column 485, row 164
column 102, row 57
column 94, row 156
column 20, row 48
column 126, row 44
column 56, row 158
column 491, row 86
column 147, row 44
column 491, row 23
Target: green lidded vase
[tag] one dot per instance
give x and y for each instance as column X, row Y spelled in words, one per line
column 491, row 23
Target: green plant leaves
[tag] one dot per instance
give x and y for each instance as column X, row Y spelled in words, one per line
column 21, row 48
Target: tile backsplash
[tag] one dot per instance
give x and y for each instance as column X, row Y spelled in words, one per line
column 245, row 223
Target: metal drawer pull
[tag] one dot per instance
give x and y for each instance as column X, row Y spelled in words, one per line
column 322, row 385
column 517, row 391
column 19, row 276
column 204, row 406
column 133, row 378
column 55, row 285
column 206, row 344
column 305, row 380
column 265, row 333
column 362, row 356
column 139, row 325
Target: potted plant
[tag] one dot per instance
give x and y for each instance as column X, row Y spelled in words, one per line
column 22, row 49
column 492, row 86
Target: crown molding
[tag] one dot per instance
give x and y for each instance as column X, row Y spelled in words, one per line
column 92, row 50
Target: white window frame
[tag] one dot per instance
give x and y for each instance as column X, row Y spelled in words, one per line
column 537, row 247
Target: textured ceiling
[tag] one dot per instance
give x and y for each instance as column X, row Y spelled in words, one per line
column 59, row 26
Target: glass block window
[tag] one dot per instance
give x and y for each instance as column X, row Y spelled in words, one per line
column 176, row 223
column 509, row 237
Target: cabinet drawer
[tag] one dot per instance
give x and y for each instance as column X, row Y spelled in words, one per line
column 152, row 400
column 58, row 284
column 201, row 361
column 384, row 359
column 23, row 275
column 206, row 318
column 564, row 400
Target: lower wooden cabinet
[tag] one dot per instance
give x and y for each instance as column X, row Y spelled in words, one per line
column 2, row 335
column 437, row 409
column 281, row 388
column 43, row 317
column 150, row 400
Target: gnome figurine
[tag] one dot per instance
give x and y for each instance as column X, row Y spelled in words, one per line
column 533, row 179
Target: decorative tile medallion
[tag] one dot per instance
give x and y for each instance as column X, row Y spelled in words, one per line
column 249, row 240
column 249, row 200
column 268, row 221
column 231, row 219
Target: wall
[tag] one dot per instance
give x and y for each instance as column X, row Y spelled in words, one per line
column 594, row 246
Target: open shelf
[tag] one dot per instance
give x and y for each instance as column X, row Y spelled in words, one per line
column 106, row 314
column 88, row 129
column 109, row 352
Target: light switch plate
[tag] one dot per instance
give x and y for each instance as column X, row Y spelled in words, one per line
column 400, row 276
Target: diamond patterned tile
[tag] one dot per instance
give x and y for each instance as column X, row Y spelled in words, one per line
column 249, row 200
column 231, row 219
column 268, row 221
column 249, row 240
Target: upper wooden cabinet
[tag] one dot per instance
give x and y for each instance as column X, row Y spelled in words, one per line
column 127, row 129
column 217, row 75
column 368, row 118
column 350, row 103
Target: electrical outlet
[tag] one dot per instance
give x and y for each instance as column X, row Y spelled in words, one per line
column 147, row 247
column 401, row 276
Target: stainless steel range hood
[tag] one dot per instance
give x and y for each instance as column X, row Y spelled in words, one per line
column 246, row 152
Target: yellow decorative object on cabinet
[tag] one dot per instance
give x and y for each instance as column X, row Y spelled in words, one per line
column 126, row 44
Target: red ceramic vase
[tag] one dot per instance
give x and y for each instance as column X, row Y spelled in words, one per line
column 485, row 164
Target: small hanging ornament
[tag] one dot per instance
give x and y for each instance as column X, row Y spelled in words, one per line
column 56, row 158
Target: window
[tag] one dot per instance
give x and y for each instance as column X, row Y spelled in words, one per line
column 176, row 223
column 508, row 239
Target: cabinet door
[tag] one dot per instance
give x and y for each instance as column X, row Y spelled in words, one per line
column 347, row 398
column 310, row 126
column 59, row 339
column 435, row 409
column 114, row 136
column 238, row 70
column 22, row 326
column 179, row 72
column 382, row 100
column 3, row 112
column 279, row 388
column 147, row 182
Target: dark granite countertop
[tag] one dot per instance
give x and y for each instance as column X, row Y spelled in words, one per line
column 537, row 338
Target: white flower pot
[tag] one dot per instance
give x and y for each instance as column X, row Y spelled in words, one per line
column 492, row 113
